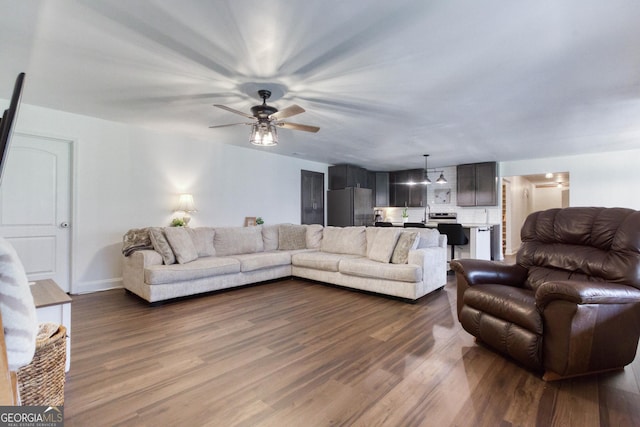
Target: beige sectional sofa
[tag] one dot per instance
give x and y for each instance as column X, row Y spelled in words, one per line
column 175, row 262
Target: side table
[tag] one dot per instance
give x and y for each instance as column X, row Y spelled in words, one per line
column 53, row 305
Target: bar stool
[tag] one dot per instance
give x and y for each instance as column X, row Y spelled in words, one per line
column 455, row 235
column 414, row 225
column 383, row 224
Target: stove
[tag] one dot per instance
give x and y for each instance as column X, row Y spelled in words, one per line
column 443, row 217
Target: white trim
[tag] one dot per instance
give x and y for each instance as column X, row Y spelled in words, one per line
column 97, row 285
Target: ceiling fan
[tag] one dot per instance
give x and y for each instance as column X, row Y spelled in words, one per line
column 266, row 118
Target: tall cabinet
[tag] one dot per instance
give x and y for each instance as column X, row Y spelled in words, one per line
column 312, row 197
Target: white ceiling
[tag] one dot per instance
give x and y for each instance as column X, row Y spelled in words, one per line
column 387, row 81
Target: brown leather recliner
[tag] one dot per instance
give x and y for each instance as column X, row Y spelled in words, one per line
column 571, row 303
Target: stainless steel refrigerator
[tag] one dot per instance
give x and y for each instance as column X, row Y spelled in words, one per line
column 350, row 206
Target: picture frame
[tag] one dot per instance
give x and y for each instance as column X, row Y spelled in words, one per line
column 249, row 221
column 442, row 196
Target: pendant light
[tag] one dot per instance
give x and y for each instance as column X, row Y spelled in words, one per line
column 441, row 179
column 426, row 181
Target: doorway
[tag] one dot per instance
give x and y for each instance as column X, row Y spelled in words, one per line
column 525, row 194
column 35, row 206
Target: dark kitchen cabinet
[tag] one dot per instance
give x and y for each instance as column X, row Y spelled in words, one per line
column 406, row 188
column 343, row 176
column 398, row 188
column 382, row 189
column 416, row 188
column 312, row 197
column 477, row 184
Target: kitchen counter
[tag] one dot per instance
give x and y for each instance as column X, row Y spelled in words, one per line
column 479, row 235
column 435, row 225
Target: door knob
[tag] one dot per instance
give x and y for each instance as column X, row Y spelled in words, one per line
column 64, row 224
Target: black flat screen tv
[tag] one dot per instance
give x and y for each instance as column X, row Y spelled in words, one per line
column 8, row 120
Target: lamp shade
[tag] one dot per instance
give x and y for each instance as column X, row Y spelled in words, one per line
column 264, row 133
column 186, row 204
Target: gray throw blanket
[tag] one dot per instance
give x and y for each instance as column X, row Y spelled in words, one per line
column 136, row 239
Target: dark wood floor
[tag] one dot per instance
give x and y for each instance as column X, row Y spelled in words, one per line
column 295, row 353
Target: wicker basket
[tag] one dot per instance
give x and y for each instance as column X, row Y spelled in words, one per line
column 41, row 383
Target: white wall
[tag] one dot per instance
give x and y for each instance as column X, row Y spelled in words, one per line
column 129, row 177
column 605, row 179
column 547, row 198
column 608, row 179
column 520, row 201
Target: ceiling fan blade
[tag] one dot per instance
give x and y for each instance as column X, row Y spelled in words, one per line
column 230, row 124
column 292, row 110
column 231, row 110
column 296, row 126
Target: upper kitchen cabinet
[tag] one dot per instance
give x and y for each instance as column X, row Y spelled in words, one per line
column 343, row 176
column 477, row 184
column 406, row 188
column 417, row 190
column 382, row 189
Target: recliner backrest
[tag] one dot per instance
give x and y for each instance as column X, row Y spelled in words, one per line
column 585, row 243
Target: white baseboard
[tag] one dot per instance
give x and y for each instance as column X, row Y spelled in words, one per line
column 97, row 286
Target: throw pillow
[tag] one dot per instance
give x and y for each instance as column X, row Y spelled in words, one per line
column 182, row 245
column 292, row 237
column 429, row 238
column 384, row 245
column 371, row 234
column 314, row 236
column 344, row 240
column 238, row 240
column 407, row 241
column 161, row 245
column 202, row 238
column 270, row 237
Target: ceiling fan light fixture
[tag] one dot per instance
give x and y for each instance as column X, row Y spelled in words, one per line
column 264, row 134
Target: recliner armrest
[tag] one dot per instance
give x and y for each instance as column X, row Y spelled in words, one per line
column 478, row 272
column 583, row 292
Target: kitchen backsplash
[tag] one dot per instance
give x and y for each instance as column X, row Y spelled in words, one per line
column 480, row 215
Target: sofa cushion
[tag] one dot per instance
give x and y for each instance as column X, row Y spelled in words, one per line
column 344, row 240
column 365, row 267
column 202, row 267
column 291, row 237
column 161, row 245
column 408, row 240
column 429, row 237
column 238, row 240
column 270, row 237
column 370, row 235
column 314, row 236
column 325, row 261
column 260, row 260
column 182, row 245
column 202, row 238
column 384, row 244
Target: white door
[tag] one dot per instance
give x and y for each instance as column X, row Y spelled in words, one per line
column 35, row 206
